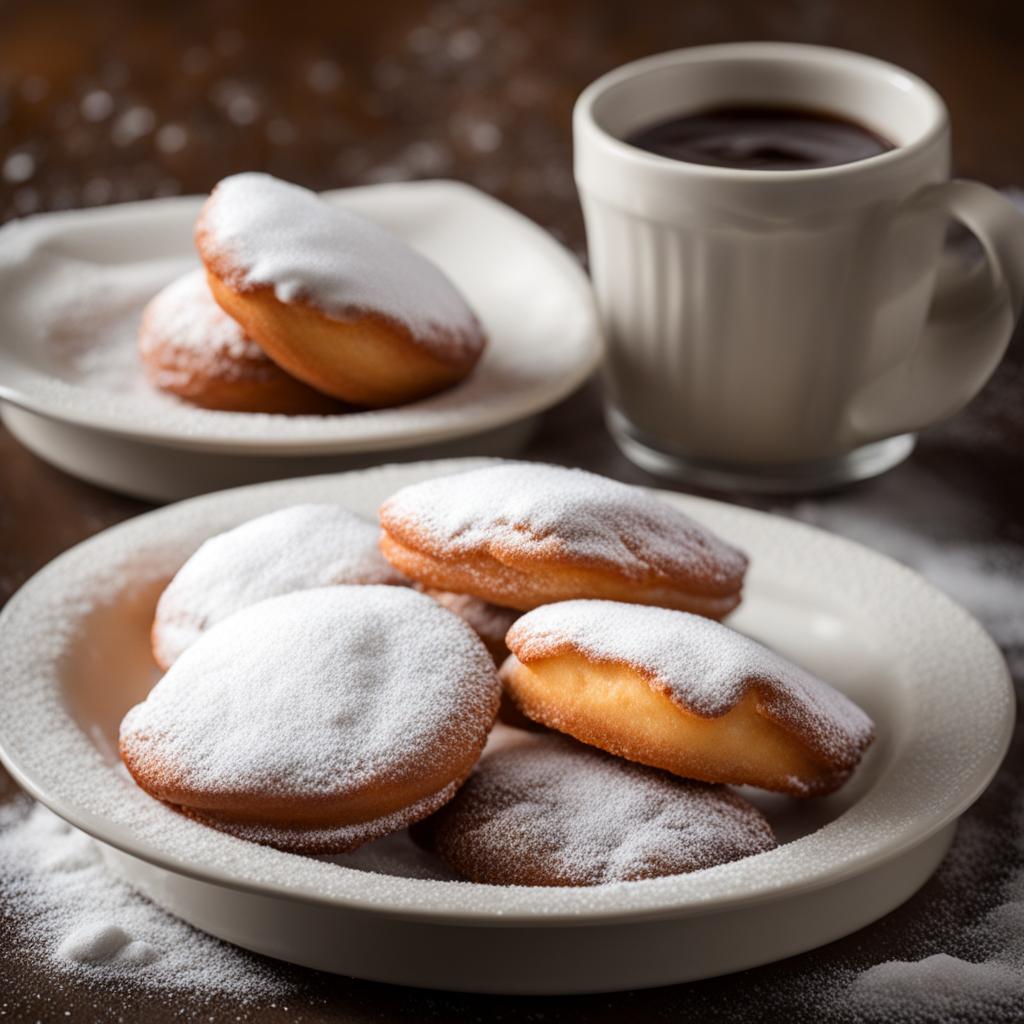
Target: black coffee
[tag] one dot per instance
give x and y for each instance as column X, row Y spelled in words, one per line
column 761, row 139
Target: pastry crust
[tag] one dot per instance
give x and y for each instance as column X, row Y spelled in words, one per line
column 344, row 338
column 523, row 535
column 192, row 349
column 366, row 360
column 317, row 720
column 681, row 693
column 543, row 810
column 313, row 839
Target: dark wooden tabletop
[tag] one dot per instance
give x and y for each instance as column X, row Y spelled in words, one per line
column 113, row 101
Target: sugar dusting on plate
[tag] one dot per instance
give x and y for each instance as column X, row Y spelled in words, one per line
column 73, row 287
column 87, row 318
column 971, row 911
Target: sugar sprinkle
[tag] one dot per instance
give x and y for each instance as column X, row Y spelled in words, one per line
column 543, row 809
column 388, row 684
column 703, row 666
column 295, row 548
column 536, row 511
column 91, row 926
column 272, row 233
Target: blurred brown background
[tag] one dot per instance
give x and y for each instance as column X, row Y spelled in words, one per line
column 122, row 101
column 116, row 101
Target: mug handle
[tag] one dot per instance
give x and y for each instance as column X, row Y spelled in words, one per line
column 970, row 321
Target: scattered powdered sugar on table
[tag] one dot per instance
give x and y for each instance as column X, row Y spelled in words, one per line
column 940, row 985
column 929, row 526
column 72, row 912
column 701, row 665
column 296, row 548
column 972, row 970
column 263, row 232
column 533, row 511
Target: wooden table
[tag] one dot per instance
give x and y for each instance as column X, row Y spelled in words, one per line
column 110, row 102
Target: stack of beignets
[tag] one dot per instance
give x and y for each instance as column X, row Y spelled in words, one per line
column 192, row 349
column 647, row 708
column 300, row 304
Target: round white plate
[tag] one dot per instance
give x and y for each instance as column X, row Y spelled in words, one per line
column 73, row 285
column 74, row 657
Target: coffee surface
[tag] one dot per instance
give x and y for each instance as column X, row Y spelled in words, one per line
column 761, row 139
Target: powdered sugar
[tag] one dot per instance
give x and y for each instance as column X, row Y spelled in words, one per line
column 102, row 942
column 489, row 621
column 701, row 665
column 939, row 987
column 317, row 694
column 398, row 856
column 52, row 624
column 295, row 548
column 931, row 526
column 537, row 512
column 956, row 968
column 85, row 923
column 269, row 233
column 184, row 321
column 86, row 318
column 969, row 965
column 543, row 810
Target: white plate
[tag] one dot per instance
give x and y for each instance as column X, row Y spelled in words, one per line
column 74, row 656
column 72, row 286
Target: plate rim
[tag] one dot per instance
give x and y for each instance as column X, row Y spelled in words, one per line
column 486, row 416
column 912, row 834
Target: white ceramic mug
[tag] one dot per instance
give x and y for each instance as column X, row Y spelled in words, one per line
column 783, row 330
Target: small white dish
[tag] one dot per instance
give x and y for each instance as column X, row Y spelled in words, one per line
column 72, row 287
column 74, row 656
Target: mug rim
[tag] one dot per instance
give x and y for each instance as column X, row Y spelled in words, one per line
column 584, row 118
